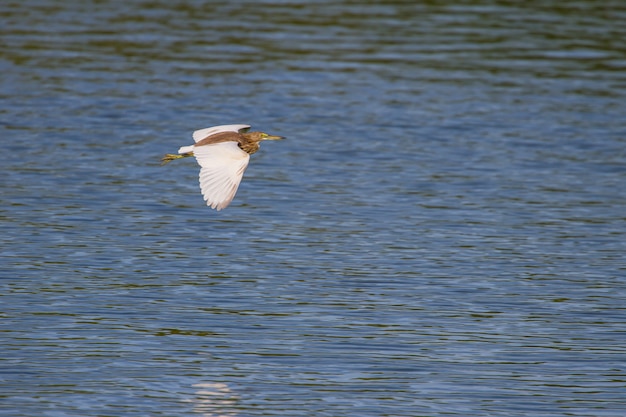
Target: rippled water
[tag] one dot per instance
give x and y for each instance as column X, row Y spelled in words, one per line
column 443, row 232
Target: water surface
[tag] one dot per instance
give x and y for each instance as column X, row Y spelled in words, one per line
column 443, row 232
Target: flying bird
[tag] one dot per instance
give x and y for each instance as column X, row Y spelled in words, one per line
column 223, row 153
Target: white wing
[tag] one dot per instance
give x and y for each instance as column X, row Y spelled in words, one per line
column 223, row 165
column 198, row 135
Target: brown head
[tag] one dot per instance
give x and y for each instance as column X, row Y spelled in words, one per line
column 249, row 142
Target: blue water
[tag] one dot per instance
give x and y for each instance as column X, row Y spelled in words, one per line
column 442, row 233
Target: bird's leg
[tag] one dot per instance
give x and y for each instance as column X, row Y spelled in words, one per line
column 171, row 156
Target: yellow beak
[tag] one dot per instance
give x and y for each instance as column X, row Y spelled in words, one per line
column 273, row 137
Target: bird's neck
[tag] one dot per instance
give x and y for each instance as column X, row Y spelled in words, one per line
column 249, row 146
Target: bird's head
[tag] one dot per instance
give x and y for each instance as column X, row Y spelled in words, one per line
column 259, row 136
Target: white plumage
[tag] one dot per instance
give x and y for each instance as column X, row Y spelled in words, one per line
column 223, row 165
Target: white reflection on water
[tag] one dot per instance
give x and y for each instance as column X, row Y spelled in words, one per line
column 214, row 399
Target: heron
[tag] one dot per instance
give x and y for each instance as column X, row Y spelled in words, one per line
column 223, row 153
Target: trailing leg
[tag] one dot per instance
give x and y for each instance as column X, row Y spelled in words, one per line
column 171, row 156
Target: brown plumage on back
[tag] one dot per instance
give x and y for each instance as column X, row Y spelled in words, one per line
column 218, row 138
column 248, row 142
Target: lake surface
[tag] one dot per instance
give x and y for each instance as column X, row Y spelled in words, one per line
column 443, row 233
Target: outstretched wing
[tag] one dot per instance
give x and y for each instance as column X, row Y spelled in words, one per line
column 223, row 165
column 198, row 135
